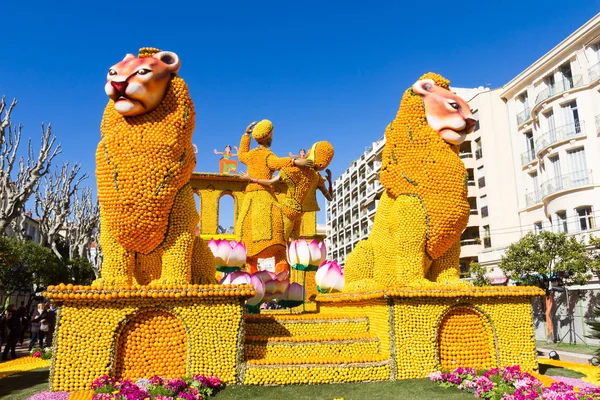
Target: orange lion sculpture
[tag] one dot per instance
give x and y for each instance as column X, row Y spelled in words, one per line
column 143, row 166
column 415, row 240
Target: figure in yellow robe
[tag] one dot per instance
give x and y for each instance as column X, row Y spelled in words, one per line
column 260, row 221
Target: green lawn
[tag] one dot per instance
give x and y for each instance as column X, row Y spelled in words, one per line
column 573, row 348
column 415, row 389
column 552, row 370
column 21, row 386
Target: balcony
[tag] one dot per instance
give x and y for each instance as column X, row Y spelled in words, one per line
column 523, row 116
column 566, row 182
column 531, row 199
column 478, row 154
column 528, row 157
column 559, row 87
column 470, row 247
column 561, row 134
column 594, row 72
column 466, row 154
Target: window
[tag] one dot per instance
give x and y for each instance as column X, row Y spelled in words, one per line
column 567, row 75
column 578, row 166
column 478, row 150
column 571, row 113
column 476, row 116
column 535, row 188
column 483, row 202
column 481, row 177
column 585, row 218
column 530, row 143
column 487, row 240
column 550, row 123
column 549, row 80
column 538, row 227
column 554, row 171
column 561, row 222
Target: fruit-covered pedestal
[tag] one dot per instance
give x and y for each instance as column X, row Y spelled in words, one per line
column 135, row 332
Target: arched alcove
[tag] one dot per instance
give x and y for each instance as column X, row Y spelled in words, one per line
column 152, row 343
column 465, row 338
column 226, row 213
column 198, row 201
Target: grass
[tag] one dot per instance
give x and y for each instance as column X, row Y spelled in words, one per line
column 414, row 389
column 23, row 385
column 552, row 370
column 573, row 348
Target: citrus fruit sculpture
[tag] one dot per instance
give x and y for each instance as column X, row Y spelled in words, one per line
column 402, row 314
column 415, row 238
column 144, row 163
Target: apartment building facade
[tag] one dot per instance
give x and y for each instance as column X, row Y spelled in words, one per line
column 357, row 191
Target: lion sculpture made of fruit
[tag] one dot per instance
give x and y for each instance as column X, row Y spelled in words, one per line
column 143, row 166
column 415, row 240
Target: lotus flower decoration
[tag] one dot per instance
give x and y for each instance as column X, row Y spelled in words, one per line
column 230, row 256
column 306, row 256
column 330, row 277
column 244, row 278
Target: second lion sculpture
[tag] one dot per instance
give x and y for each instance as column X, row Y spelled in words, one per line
column 143, row 166
column 415, row 240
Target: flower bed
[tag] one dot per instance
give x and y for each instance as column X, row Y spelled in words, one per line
column 510, row 383
column 198, row 387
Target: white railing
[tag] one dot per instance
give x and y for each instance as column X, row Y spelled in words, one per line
column 560, row 134
column 565, row 182
column 594, row 72
column 528, row 157
column 523, row 116
column 559, row 87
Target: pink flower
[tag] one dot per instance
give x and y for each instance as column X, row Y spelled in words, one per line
column 306, row 253
column 228, row 254
column 294, row 292
column 330, row 277
column 275, row 284
column 37, row 354
column 244, row 278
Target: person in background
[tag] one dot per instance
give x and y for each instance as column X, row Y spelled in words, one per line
column 24, row 321
column 13, row 324
column 36, row 335
column 51, row 307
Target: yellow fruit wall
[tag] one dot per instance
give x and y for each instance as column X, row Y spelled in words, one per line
column 424, row 330
column 210, row 187
column 133, row 332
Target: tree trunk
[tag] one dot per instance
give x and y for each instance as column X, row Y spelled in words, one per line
column 549, row 325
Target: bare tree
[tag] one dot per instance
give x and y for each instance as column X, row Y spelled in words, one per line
column 81, row 226
column 53, row 202
column 15, row 193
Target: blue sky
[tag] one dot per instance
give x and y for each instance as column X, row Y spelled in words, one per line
column 320, row 70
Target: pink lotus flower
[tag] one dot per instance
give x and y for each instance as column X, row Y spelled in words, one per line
column 301, row 252
column 294, row 292
column 330, row 277
column 275, row 284
column 244, row 278
column 228, row 254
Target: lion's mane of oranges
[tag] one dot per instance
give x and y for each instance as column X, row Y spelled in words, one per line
column 142, row 163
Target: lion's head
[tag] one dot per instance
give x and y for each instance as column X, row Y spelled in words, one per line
column 138, row 85
column 448, row 114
